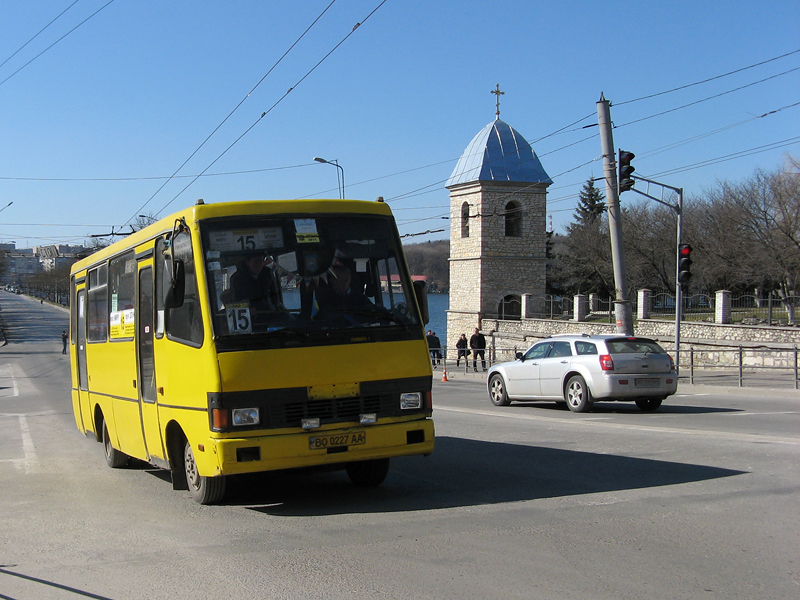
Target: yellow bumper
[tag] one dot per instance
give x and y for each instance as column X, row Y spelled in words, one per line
column 275, row 452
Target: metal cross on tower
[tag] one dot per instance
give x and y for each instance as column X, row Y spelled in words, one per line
column 498, row 93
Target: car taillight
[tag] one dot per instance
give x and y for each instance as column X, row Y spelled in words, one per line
column 671, row 363
column 606, row 363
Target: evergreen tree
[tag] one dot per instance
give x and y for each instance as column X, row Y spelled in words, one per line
column 591, row 203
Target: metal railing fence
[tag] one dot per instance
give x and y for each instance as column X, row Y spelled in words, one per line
column 733, row 366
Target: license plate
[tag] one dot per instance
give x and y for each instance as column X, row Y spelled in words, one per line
column 649, row 382
column 354, row 438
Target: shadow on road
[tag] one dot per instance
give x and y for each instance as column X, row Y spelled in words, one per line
column 601, row 407
column 463, row 473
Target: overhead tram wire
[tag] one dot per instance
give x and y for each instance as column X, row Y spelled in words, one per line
column 265, row 113
column 678, row 144
column 688, row 85
column 247, row 172
column 732, row 156
column 565, row 128
column 18, row 50
column 708, row 98
column 419, row 191
column 242, row 101
column 54, row 43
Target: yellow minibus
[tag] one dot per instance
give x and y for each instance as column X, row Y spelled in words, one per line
column 239, row 337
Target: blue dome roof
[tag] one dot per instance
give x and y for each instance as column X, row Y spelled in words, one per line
column 498, row 153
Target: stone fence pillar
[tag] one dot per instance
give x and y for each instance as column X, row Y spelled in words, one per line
column 594, row 303
column 722, row 314
column 527, row 306
column 580, row 307
column 645, row 306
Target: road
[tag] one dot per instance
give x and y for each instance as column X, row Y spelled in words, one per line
column 526, row 501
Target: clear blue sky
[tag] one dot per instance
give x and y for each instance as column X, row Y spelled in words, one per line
column 91, row 124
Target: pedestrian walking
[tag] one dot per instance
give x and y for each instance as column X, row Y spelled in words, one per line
column 478, row 344
column 461, row 346
column 64, row 338
column 435, row 347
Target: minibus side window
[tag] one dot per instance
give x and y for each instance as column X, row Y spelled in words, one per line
column 122, row 281
column 185, row 323
column 97, row 313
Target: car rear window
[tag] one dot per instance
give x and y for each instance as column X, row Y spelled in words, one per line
column 585, row 348
column 633, row 345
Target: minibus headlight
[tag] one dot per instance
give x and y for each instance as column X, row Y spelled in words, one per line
column 245, row 416
column 410, row 400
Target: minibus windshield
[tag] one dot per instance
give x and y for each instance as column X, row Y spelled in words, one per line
column 282, row 274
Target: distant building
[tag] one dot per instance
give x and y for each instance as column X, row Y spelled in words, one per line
column 22, row 263
column 498, row 197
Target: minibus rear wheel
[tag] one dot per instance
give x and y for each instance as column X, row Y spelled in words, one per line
column 204, row 490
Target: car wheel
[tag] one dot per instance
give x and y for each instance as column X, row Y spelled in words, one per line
column 577, row 395
column 204, row 490
column 114, row 458
column 368, row 473
column 649, row 404
column 497, row 391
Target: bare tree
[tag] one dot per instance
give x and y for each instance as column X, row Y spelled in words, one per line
column 143, row 221
column 585, row 258
column 649, row 238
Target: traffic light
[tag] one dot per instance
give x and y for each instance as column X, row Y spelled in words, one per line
column 684, row 264
column 625, row 170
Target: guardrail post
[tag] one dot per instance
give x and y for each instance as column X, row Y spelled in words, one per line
column 741, row 363
column 691, row 365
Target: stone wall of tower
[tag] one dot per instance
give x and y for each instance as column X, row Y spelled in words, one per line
column 487, row 265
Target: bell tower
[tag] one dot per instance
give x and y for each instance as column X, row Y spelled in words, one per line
column 498, row 197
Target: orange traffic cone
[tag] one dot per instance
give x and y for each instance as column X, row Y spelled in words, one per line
column 444, row 373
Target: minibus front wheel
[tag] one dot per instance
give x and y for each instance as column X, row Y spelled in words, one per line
column 114, row 458
column 204, row 490
column 368, row 473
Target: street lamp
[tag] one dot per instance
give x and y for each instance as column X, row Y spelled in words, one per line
column 6, row 206
column 336, row 164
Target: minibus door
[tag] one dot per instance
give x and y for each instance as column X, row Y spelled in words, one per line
column 148, row 395
column 80, row 359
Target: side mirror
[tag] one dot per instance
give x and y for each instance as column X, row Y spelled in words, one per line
column 422, row 300
column 177, row 287
column 519, row 355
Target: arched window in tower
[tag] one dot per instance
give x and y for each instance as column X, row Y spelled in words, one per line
column 465, row 220
column 513, row 219
column 510, row 308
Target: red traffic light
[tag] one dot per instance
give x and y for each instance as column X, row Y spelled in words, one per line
column 684, row 264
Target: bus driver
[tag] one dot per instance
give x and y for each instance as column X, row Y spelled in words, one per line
column 252, row 282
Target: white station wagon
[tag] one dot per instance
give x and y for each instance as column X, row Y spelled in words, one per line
column 581, row 369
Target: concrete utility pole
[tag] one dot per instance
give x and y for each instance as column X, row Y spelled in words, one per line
column 622, row 306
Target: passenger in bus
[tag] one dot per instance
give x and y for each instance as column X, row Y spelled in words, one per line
column 256, row 284
column 340, row 295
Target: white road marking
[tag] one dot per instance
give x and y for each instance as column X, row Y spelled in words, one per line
column 12, row 389
column 745, row 437
column 30, row 463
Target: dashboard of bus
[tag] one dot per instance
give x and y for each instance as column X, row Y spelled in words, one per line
column 297, row 280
